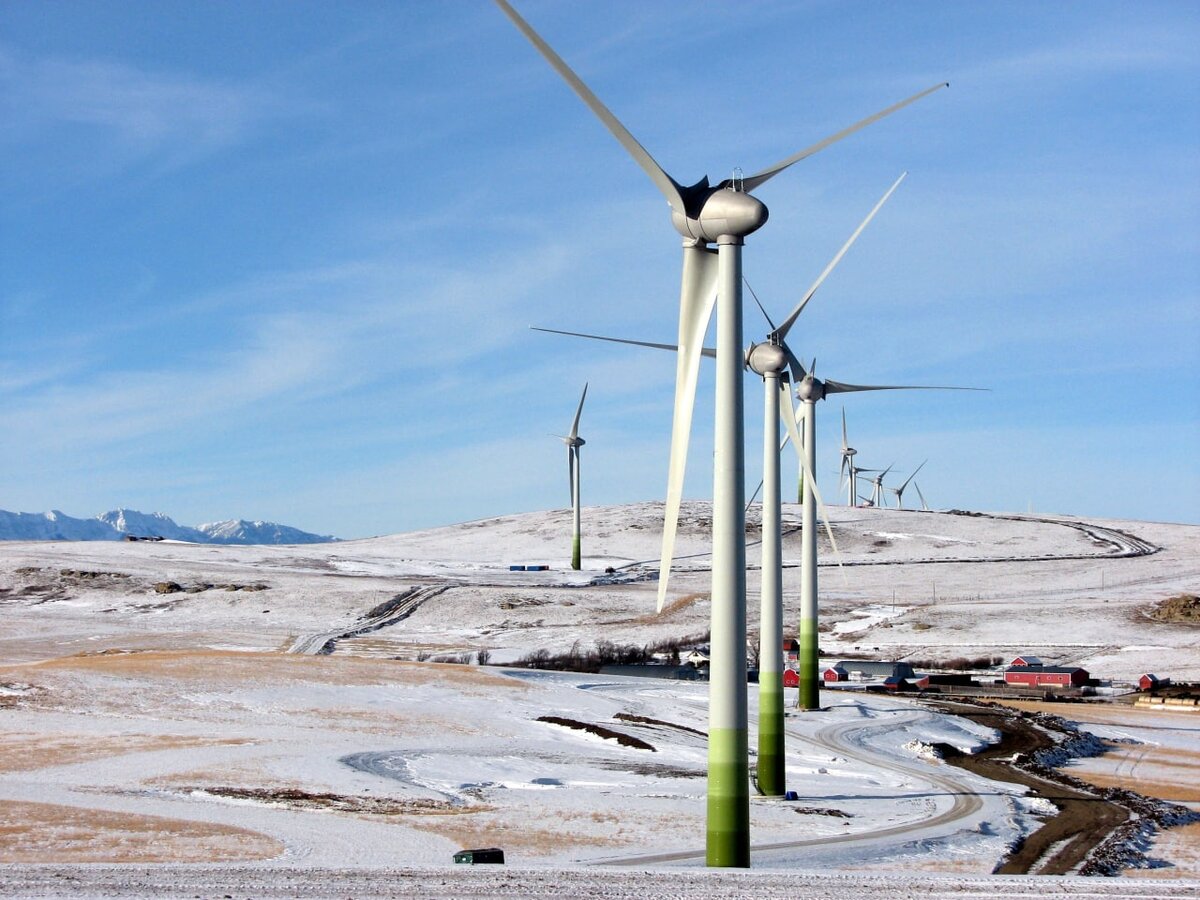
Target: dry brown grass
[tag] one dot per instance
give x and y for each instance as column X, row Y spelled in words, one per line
column 1179, row 792
column 521, row 837
column 28, row 752
column 675, row 606
column 230, row 666
column 1181, row 846
column 47, row 833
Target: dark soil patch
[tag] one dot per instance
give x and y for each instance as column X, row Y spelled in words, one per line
column 646, row 720
column 823, row 811
column 625, row 740
column 294, row 798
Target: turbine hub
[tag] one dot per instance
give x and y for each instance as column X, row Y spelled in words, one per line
column 725, row 212
column 766, row 359
column 576, row 442
column 811, row 390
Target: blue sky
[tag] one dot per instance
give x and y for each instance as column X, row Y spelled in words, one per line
column 278, row 260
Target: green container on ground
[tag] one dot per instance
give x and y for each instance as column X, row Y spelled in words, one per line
column 476, row 857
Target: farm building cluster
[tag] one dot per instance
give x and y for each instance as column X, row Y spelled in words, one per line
column 1023, row 674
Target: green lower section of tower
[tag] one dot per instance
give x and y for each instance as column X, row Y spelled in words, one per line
column 771, row 780
column 575, row 555
column 728, row 842
column 810, row 678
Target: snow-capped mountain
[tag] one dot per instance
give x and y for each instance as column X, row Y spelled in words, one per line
column 53, row 526
column 239, row 531
column 116, row 524
column 130, row 521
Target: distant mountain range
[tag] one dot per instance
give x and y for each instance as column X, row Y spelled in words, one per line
column 121, row 524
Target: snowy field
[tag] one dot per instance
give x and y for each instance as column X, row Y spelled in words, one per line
column 155, row 729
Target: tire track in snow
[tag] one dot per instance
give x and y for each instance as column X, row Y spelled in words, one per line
column 398, row 609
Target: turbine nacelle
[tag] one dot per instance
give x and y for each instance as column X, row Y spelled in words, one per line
column 811, row 389
column 718, row 212
column 766, row 359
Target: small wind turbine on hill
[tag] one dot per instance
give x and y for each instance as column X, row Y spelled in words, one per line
column 876, row 498
column 924, row 505
column 848, row 471
column 703, row 214
column 899, row 491
column 574, row 442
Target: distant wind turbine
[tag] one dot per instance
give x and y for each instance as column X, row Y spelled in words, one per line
column 848, row 471
column 574, row 442
column 899, row 491
column 924, row 505
column 877, row 488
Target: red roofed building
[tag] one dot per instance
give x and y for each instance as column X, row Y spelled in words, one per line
column 1149, row 682
column 1044, row 676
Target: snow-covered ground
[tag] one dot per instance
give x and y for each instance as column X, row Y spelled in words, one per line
column 176, row 727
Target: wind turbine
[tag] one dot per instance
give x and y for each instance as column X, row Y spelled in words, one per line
column 899, row 491
column 877, row 497
column 774, row 361
column 703, row 214
column 924, row 505
column 574, row 442
column 847, row 469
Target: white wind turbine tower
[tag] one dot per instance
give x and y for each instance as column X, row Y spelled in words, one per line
column 703, row 214
column 899, row 491
column 574, row 442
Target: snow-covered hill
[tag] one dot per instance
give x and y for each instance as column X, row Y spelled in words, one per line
column 115, row 524
column 157, row 692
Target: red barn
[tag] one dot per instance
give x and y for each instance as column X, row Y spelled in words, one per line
column 791, row 650
column 1042, row 676
column 1149, row 682
column 835, row 673
column 791, row 678
column 1030, row 662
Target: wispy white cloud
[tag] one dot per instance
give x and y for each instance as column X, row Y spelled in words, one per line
column 123, row 114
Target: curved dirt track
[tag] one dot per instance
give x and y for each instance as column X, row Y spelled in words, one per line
column 847, row 739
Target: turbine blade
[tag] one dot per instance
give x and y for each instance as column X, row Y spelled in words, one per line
column 795, row 367
column 705, row 351
column 753, row 496
column 924, row 505
column 766, row 174
column 791, row 319
column 578, row 411
column 761, row 308
column 840, row 387
column 787, row 412
column 697, row 296
column 664, row 182
column 911, row 477
column 845, row 442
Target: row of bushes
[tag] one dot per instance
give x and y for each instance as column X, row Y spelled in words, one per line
column 608, row 653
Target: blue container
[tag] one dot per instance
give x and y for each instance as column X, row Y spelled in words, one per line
column 516, row 568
